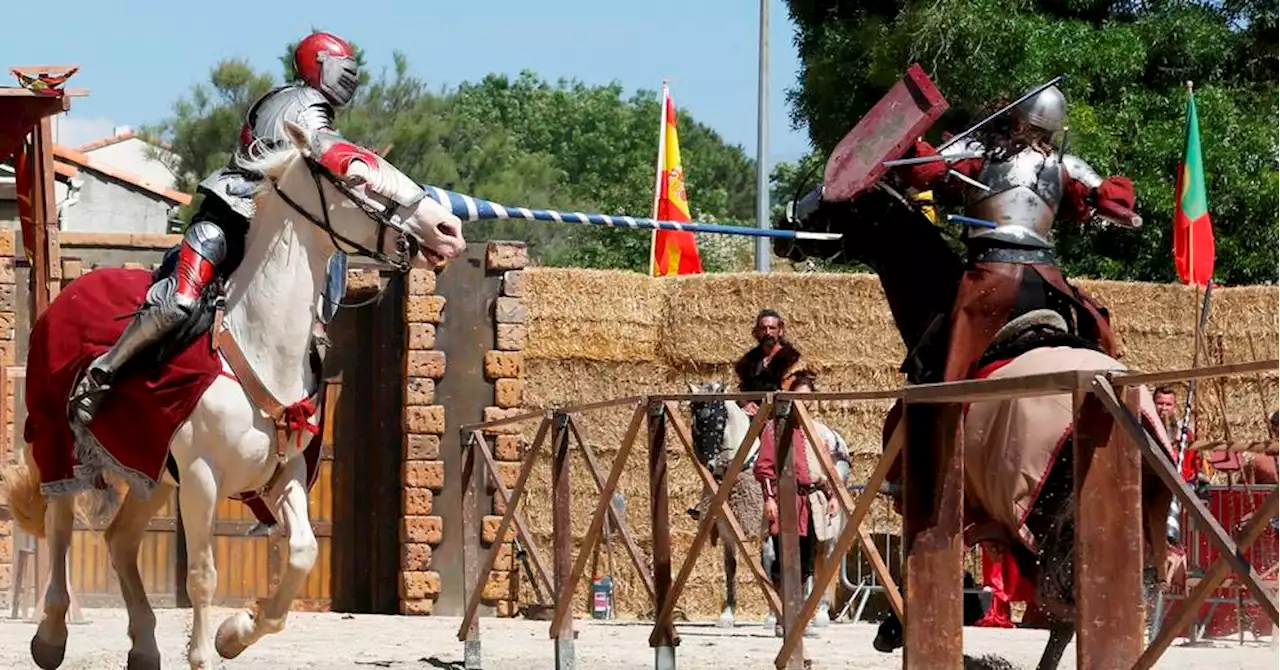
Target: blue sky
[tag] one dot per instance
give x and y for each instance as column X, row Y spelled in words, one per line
column 138, row 56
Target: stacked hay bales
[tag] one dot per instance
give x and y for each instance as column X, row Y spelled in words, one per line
column 595, row 335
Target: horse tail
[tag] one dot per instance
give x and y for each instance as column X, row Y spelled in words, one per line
column 20, row 488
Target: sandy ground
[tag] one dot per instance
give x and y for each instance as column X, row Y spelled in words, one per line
column 338, row 641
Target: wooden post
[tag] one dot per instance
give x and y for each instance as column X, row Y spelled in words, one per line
column 792, row 582
column 1108, row 538
column 934, row 546
column 664, row 640
column 562, row 529
column 471, row 656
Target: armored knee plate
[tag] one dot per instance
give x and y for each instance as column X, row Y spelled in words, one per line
column 207, row 239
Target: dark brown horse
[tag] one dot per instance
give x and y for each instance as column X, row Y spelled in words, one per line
column 919, row 270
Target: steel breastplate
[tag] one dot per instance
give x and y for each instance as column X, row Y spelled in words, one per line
column 263, row 129
column 1023, row 201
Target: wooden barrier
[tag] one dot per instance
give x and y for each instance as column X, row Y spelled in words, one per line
column 1110, row 447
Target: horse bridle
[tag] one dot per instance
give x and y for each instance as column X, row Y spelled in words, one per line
column 407, row 245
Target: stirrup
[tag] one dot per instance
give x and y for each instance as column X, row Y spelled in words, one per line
column 76, row 403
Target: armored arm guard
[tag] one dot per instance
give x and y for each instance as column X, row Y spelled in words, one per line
column 1111, row 198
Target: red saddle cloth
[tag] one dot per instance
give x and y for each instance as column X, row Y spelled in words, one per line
column 139, row 415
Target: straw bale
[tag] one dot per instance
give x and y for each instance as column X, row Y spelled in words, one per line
column 833, row 318
column 601, row 315
column 596, row 335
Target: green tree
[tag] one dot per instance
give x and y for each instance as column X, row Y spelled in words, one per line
column 522, row 141
column 1126, row 64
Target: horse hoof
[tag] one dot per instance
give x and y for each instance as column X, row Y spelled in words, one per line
column 884, row 645
column 227, row 642
column 725, row 621
column 138, row 661
column 47, row 656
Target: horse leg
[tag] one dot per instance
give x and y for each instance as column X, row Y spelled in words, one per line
column 124, row 537
column 1060, row 635
column 730, row 578
column 198, row 499
column 49, row 644
column 242, row 629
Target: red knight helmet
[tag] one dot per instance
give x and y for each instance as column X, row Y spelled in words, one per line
column 328, row 64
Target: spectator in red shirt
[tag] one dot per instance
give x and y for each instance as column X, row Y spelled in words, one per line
column 809, row 478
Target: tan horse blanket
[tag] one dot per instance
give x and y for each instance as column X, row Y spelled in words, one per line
column 1010, row 445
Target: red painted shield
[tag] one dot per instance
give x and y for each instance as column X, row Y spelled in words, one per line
column 885, row 133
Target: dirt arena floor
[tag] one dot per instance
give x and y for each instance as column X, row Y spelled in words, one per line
column 338, row 641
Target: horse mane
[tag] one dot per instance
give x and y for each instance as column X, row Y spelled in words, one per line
column 271, row 165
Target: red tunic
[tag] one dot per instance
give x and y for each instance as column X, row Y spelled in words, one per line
column 766, row 469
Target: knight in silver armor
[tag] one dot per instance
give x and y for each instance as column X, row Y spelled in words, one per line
column 213, row 243
column 1015, row 181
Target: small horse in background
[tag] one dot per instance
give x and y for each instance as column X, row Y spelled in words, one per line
column 718, row 429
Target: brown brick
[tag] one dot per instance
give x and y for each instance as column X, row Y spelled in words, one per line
column 507, row 609
column 513, row 283
column 362, row 279
column 428, row 529
column 422, row 282
column 509, row 310
column 511, row 336
column 6, row 551
column 499, row 364
column 507, row 447
column 489, row 530
column 420, row 390
column 499, row 507
column 7, row 275
column 422, row 336
column 427, row 419
column 501, row 256
column 425, row 474
column 508, row 473
column 8, row 353
column 417, row 607
column 428, row 363
column 6, row 578
column 497, row 414
column 424, row 309
column 7, row 242
column 506, row 559
column 421, row 447
column 418, row 501
column 6, row 298
column 508, row 393
column 419, row 584
column 6, row 325
column 6, row 528
column 497, row 586
column 415, row 556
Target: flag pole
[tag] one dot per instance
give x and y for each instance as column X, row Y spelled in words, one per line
column 763, row 248
column 657, row 177
column 1191, row 229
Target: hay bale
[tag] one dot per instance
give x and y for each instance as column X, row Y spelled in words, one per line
column 600, row 315
column 595, row 335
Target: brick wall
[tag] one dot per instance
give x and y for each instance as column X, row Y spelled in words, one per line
column 504, row 366
column 8, row 356
column 424, row 421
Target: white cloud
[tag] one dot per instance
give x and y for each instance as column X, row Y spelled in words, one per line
column 72, row 131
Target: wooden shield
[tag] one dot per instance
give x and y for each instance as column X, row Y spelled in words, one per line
column 885, row 133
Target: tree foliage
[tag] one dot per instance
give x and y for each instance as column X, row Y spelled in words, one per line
column 1126, row 64
column 518, row 140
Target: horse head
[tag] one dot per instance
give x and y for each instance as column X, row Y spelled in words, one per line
column 718, row 427
column 360, row 203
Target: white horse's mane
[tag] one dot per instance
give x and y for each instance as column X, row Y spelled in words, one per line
column 271, row 165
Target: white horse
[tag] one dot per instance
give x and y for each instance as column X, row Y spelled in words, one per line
column 318, row 189
column 718, row 429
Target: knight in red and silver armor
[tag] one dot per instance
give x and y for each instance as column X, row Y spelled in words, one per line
column 214, row 241
column 1020, row 182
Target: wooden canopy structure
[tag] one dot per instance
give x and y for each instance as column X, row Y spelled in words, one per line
column 26, row 131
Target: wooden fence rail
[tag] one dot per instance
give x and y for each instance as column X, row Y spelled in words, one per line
column 1110, row 445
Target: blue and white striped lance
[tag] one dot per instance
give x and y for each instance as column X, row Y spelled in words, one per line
column 470, row 208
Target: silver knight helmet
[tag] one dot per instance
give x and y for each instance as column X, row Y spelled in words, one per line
column 328, row 64
column 1047, row 110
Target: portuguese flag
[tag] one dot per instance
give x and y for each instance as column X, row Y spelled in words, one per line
column 1193, row 247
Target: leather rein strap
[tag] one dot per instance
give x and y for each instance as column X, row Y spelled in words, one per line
column 266, row 401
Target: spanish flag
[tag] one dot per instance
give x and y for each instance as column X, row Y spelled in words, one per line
column 674, row 252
